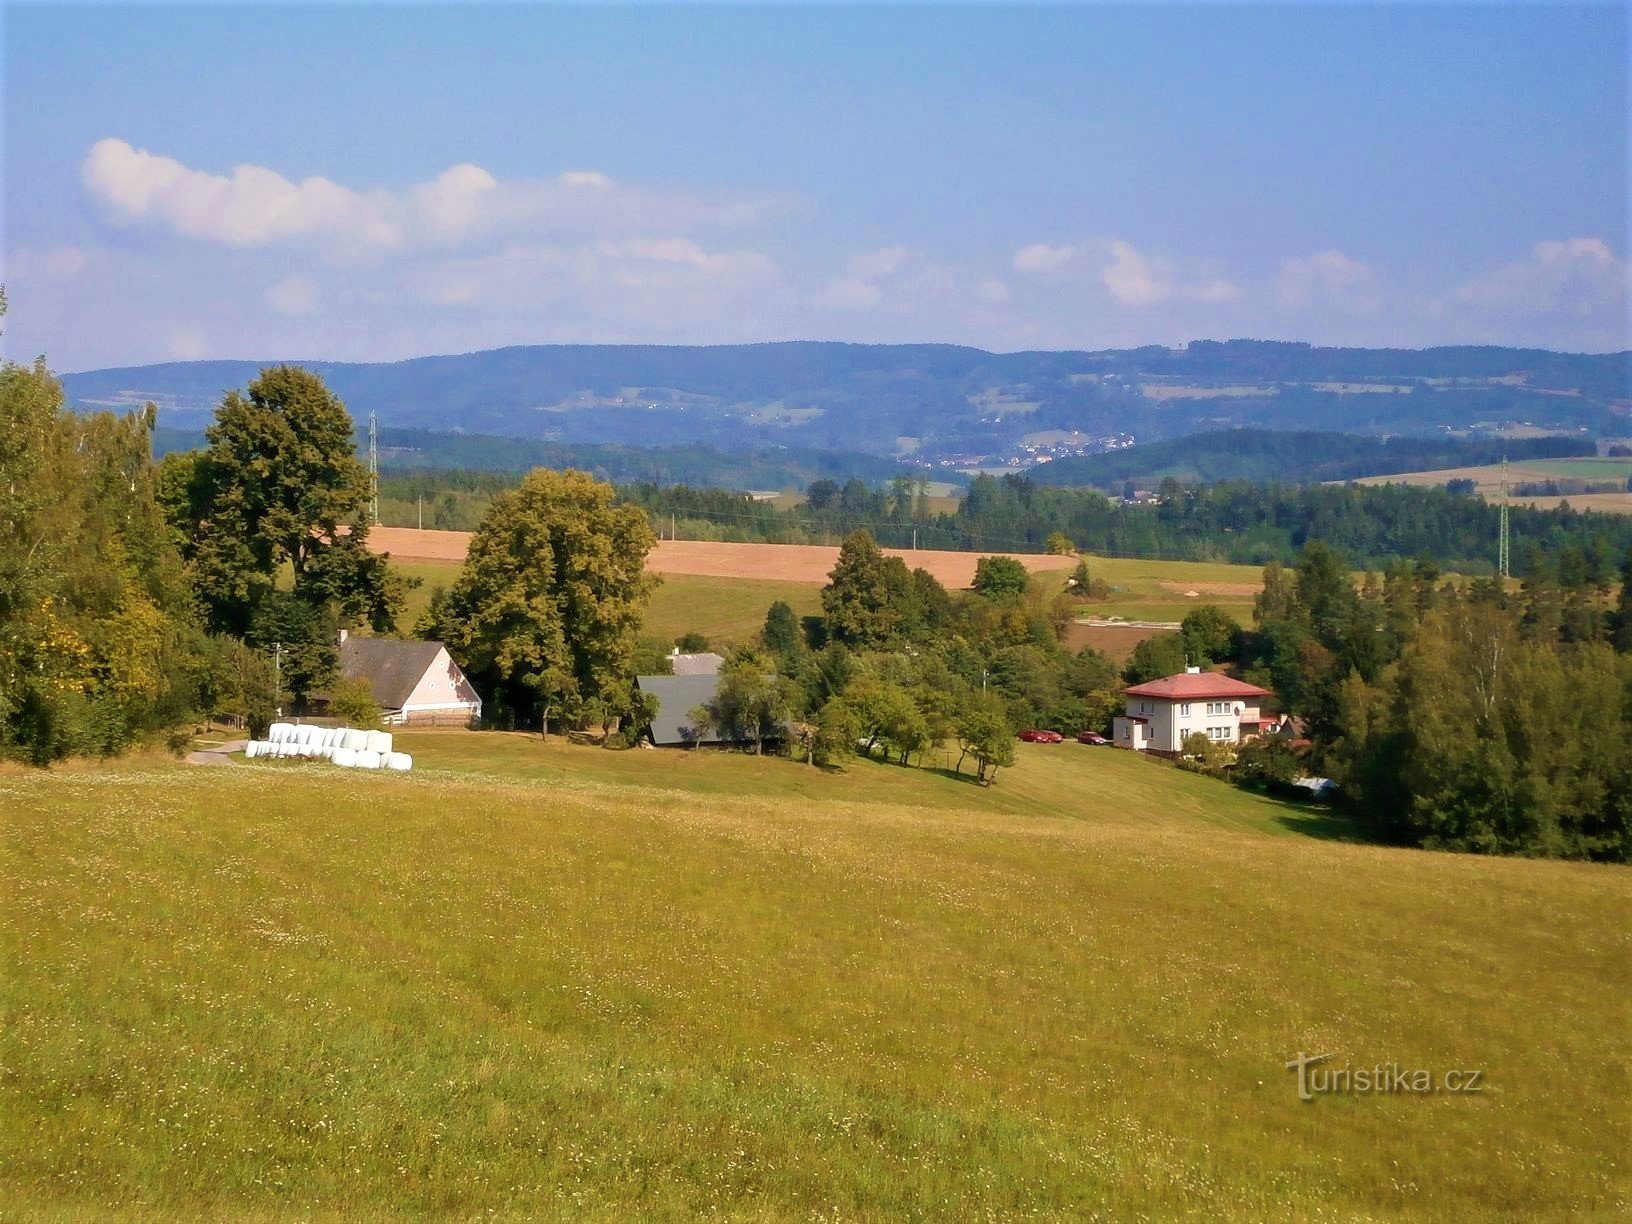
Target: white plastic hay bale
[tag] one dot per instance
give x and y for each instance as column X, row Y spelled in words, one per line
column 289, row 749
column 302, row 735
column 368, row 759
column 251, row 750
column 356, row 740
column 334, row 737
column 379, row 741
column 324, row 752
column 278, row 732
column 344, row 757
column 399, row 761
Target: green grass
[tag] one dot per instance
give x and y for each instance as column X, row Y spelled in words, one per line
column 555, row 981
column 722, row 609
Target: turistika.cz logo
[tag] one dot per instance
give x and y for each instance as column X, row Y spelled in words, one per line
column 1315, row 1078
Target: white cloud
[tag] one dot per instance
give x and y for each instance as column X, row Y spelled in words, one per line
column 585, row 178
column 452, row 202
column 1041, row 257
column 251, row 208
column 293, row 295
column 1131, row 277
column 257, row 206
column 1135, row 280
column 188, row 343
column 1573, row 276
column 1327, row 278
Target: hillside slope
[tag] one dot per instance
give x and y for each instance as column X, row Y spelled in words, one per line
column 279, row 991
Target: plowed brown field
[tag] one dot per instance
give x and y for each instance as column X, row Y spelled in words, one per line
column 787, row 562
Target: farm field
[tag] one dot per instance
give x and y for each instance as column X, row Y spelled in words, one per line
column 1488, row 480
column 733, row 608
column 722, row 609
column 555, row 981
column 711, row 559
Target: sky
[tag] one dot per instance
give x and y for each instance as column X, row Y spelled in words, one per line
column 374, row 182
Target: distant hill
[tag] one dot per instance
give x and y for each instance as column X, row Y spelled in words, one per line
column 1294, row 456
column 696, row 464
column 926, row 401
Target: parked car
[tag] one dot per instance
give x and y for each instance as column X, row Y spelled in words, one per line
column 1093, row 737
column 1041, row 737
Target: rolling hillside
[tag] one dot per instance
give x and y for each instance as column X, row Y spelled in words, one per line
column 569, row 982
column 926, row 401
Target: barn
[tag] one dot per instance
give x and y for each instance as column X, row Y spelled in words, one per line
column 416, row 683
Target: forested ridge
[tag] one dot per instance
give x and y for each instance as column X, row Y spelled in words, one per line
column 1293, row 456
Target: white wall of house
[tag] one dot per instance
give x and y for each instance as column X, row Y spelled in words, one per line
column 443, row 688
column 1168, row 722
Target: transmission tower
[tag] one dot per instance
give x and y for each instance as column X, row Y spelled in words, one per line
column 1502, row 566
column 374, row 473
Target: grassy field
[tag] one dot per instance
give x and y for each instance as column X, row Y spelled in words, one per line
column 723, row 609
column 733, row 609
column 554, row 981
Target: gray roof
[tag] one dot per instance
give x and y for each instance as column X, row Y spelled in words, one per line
column 391, row 666
column 678, row 696
column 706, row 664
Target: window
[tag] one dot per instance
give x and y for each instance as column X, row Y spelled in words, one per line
column 1218, row 733
column 1184, row 710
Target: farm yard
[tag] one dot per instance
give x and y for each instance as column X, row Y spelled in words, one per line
column 565, row 981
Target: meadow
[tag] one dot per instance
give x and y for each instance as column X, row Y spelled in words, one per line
column 559, row 981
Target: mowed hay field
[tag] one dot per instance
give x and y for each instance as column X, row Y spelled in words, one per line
column 713, row 559
column 546, row 981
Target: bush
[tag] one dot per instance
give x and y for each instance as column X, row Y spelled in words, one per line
column 352, row 702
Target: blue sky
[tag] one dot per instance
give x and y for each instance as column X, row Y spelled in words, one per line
column 371, row 182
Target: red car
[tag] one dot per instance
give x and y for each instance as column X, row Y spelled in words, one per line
column 1092, row 737
column 1041, row 737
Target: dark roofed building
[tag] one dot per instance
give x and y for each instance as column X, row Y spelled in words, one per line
column 677, row 697
column 414, row 682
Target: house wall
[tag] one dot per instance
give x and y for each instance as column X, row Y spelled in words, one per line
column 442, row 694
column 1170, row 721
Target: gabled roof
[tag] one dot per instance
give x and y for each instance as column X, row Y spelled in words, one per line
column 391, row 666
column 677, row 697
column 704, row 664
column 1196, row 686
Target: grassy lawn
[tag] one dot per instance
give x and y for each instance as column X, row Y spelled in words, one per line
column 723, row 609
column 543, row 980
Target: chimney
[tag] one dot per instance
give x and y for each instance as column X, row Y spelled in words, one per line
column 1192, row 671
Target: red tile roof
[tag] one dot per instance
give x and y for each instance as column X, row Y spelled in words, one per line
column 1196, row 686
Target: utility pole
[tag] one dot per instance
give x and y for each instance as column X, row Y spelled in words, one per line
column 374, row 468
column 915, row 539
column 672, row 536
column 420, row 502
column 1502, row 559
column 277, row 673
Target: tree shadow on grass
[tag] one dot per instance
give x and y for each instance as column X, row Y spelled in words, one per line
column 1317, row 820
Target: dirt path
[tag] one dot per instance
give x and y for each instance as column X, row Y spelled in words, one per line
column 709, row 559
column 221, row 755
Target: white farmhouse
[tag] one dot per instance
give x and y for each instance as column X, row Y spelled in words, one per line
column 1162, row 712
column 416, row 683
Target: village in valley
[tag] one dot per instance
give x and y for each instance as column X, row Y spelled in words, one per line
column 773, row 613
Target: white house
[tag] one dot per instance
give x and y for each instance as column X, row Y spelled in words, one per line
column 1162, row 712
column 414, row 682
